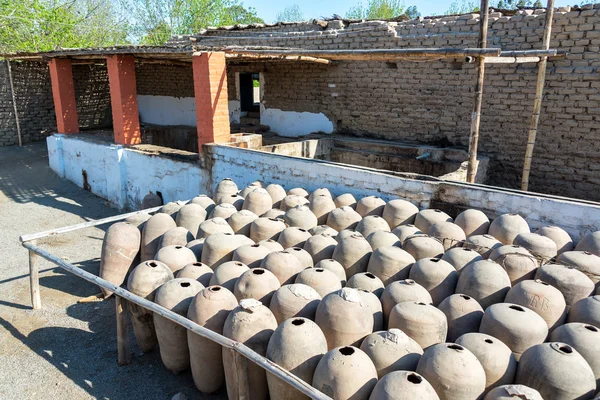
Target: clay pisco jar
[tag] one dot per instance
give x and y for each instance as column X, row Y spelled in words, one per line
column 295, row 300
column 463, row 314
column 401, row 291
column 390, row 264
column 424, row 323
column 517, row 261
column 399, row 212
column 392, row 350
column 190, row 217
column 153, row 230
column 320, row 279
column 506, row 227
column 401, row 385
column 473, row 222
column 120, row 247
column 546, row 300
column 353, row 253
column 485, row 281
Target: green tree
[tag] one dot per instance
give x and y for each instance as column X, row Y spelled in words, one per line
column 412, row 12
column 291, row 13
column 156, row 21
column 378, row 9
column 43, row 25
column 462, row 7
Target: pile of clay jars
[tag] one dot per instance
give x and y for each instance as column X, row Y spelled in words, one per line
column 363, row 298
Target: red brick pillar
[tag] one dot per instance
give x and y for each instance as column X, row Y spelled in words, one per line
column 63, row 91
column 210, row 88
column 123, row 97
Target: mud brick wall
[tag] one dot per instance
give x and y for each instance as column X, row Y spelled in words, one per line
column 35, row 105
column 164, row 80
column 430, row 102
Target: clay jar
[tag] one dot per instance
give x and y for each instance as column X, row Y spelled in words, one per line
column 266, row 228
column 590, row 243
column 345, row 373
column 175, row 295
column 405, row 231
column 320, row 246
column 284, row 265
column 539, row 245
column 298, row 191
column 402, row 291
column 450, row 234
column 343, row 318
column 473, row 222
column 179, row 236
column 227, row 274
column 251, row 254
column 483, row 244
column 392, row 350
column 517, row 326
column 346, row 233
column 370, row 224
column 226, row 186
column 459, row 257
column 510, row 392
column 258, row 284
column 293, row 200
column 151, row 200
column 335, row 267
column 399, row 212
column 400, row 385
column 453, row 371
column 258, row 201
column 143, row 281
column 353, row 253
column 297, row 346
column 219, row 247
column 496, row 358
column 463, row 314
column 197, row 271
column 277, row 193
column 223, row 210
column 212, row 226
column 422, row 322
column 295, row 300
column 204, row 201
column 301, row 217
column 319, row 229
column 372, row 301
column 366, row 281
column 546, row 300
column 154, row 228
column 517, row 261
column 435, row 275
column 557, row 371
column 583, row 261
column 252, row 324
column 190, row 217
column 321, row 206
column 120, row 247
column 573, row 284
column 209, row 309
column 321, row 280
column 272, row 245
column 423, row 246
column 343, row 218
column 196, row 247
column 506, row 227
column 390, row 264
column 485, row 281
column 345, row 200
column 293, row 236
column 370, row 205
column 383, row 239
column 426, row 218
column 240, row 222
column 586, row 310
column 138, row 219
column 175, row 257
column 584, row 338
column 234, row 199
column 559, row 236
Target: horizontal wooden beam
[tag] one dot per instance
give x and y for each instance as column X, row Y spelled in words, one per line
column 511, row 60
column 261, row 57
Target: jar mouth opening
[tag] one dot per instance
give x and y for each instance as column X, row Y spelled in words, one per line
column 298, row 322
column 414, row 378
column 258, row 271
column 347, row 351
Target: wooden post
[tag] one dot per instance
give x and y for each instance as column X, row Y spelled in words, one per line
column 34, row 280
column 539, row 93
column 123, row 349
column 478, row 95
column 240, row 370
column 14, row 101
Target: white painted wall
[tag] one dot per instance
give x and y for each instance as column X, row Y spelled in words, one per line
column 167, row 110
column 124, row 176
column 294, row 124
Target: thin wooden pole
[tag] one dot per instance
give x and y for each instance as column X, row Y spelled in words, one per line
column 512, row 60
column 14, row 101
column 34, row 280
column 122, row 315
column 539, row 94
column 478, row 95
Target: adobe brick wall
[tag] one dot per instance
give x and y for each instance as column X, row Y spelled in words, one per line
column 35, row 105
column 164, row 80
column 430, row 102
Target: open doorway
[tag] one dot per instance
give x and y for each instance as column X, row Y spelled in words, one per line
column 250, row 98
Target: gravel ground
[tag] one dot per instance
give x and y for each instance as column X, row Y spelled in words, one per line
column 66, row 350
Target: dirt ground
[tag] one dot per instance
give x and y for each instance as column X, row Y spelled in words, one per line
column 66, row 350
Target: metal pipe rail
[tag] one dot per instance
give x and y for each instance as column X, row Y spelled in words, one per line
column 239, row 350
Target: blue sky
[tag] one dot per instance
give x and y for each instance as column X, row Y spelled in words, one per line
column 268, row 9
